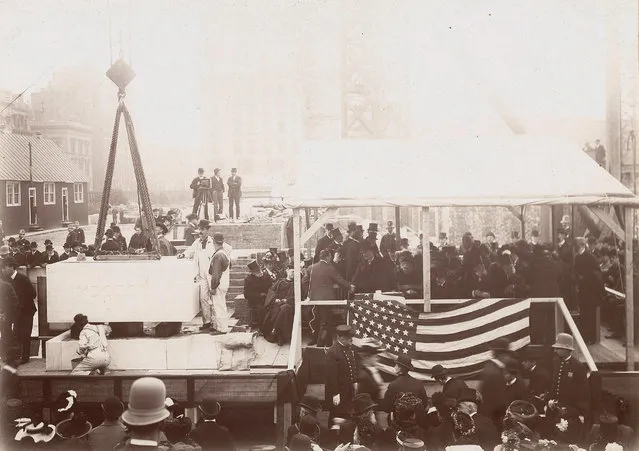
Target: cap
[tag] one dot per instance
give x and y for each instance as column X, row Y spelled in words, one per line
column 344, row 330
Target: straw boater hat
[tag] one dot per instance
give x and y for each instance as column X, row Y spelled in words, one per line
column 38, row 432
column 146, row 403
column 564, row 341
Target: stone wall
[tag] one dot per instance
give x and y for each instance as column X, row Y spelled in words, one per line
column 250, row 236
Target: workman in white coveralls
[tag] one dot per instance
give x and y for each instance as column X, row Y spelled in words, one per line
column 220, row 280
column 201, row 251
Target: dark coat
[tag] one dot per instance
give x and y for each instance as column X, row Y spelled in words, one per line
column 570, row 385
column 540, row 381
column 72, row 237
column 366, row 384
column 255, row 288
column 320, row 279
column 80, row 235
column 122, row 242
column 64, row 256
column 8, row 300
column 487, row 433
column 403, row 384
column 370, row 277
column 388, row 245
column 516, row 391
column 493, row 392
column 195, row 186
column 110, row 245
column 139, row 241
column 323, row 243
column 351, row 250
column 190, row 234
column 235, row 187
column 545, row 278
column 341, row 374
column 589, row 278
column 496, row 281
column 25, row 294
column 212, row 436
column 217, row 185
column 453, row 388
column 49, row 259
column 34, row 259
column 21, row 258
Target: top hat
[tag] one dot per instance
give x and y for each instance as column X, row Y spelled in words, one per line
column 328, row 227
column 311, row 403
column 438, row 370
column 210, row 407
column 282, row 255
column 253, row 266
column 564, row 341
column 501, row 344
column 218, row 238
column 204, row 224
column 344, row 330
column 372, row 227
column 405, row 361
column 359, row 228
column 351, row 227
column 468, row 395
column 362, row 403
column 146, row 402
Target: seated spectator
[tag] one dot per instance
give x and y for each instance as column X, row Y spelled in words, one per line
column 110, row 245
column 166, row 247
column 308, row 406
column 208, row 433
column 301, row 442
column 34, row 257
column 177, row 433
column 68, row 252
column 279, row 308
column 49, row 256
column 145, row 415
column 111, row 431
column 409, row 279
column 117, row 236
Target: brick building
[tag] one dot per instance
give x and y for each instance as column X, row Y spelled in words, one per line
column 40, row 187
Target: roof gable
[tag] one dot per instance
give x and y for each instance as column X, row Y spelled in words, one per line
column 50, row 163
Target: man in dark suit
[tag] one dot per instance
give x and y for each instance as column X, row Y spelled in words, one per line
column 68, row 252
column 79, row 233
column 320, row 280
column 452, row 387
column 235, row 193
column 371, row 273
column 49, row 256
column 217, row 186
column 590, row 289
column 26, row 295
column 468, row 403
column 570, row 393
column 34, row 256
column 191, row 232
column 539, row 383
column 8, row 308
column 404, row 383
column 341, row 375
column 208, row 434
column 256, row 286
column 110, row 245
column 493, row 382
column 351, row 250
column 388, row 244
column 324, row 242
column 22, row 241
column 201, row 187
column 118, row 238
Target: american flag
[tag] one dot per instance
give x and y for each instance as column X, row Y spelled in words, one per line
column 458, row 339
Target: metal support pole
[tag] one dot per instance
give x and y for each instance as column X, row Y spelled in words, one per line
column 630, row 298
column 426, row 258
column 297, row 248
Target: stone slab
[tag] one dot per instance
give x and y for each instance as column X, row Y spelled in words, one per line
column 122, row 291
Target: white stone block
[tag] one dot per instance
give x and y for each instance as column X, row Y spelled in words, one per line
column 122, row 291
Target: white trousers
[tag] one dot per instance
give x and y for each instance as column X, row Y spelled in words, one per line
column 94, row 360
column 220, row 316
column 205, row 297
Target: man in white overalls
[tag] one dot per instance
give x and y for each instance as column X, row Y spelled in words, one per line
column 201, row 251
column 220, row 280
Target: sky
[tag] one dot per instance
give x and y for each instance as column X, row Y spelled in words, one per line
column 544, row 58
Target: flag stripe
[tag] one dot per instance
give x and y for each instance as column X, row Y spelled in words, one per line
column 464, row 334
column 474, row 312
column 466, row 307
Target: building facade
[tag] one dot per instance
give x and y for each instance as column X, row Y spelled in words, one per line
column 40, row 187
column 14, row 113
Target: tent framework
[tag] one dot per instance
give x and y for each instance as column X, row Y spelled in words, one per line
column 601, row 191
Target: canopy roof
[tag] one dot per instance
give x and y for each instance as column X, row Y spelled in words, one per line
column 450, row 171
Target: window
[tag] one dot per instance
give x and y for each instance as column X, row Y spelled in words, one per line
column 49, row 193
column 78, row 193
column 13, row 194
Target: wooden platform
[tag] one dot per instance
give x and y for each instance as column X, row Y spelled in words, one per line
column 610, row 350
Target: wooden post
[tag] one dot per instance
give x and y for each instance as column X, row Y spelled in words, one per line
column 630, row 298
column 297, row 232
column 426, row 258
column 398, row 226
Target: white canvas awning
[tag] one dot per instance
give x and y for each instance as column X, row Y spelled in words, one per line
column 450, row 171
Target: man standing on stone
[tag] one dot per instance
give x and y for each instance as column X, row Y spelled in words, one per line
column 220, row 280
column 235, row 193
column 201, row 251
column 217, row 186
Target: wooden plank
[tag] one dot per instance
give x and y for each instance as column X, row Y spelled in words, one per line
column 630, row 290
column 312, row 228
column 426, row 258
column 296, row 342
column 94, row 391
column 581, row 344
column 258, row 389
column 43, row 324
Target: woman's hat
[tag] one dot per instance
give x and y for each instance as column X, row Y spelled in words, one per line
column 362, row 403
column 210, row 407
column 405, row 440
column 75, row 427
column 146, row 402
column 40, row 432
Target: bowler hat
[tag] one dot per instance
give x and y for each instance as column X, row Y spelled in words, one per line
column 564, row 341
column 438, row 370
column 253, row 266
column 218, row 238
column 328, row 226
column 405, row 361
column 203, row 224
column 344, row 330
column 311, row 403
column 372, row 227
column 363, row 403
column 48, row 241
column 210, row 407
column 501, row 344
column 146, row 402
column 233, row 169
column 351, row 227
